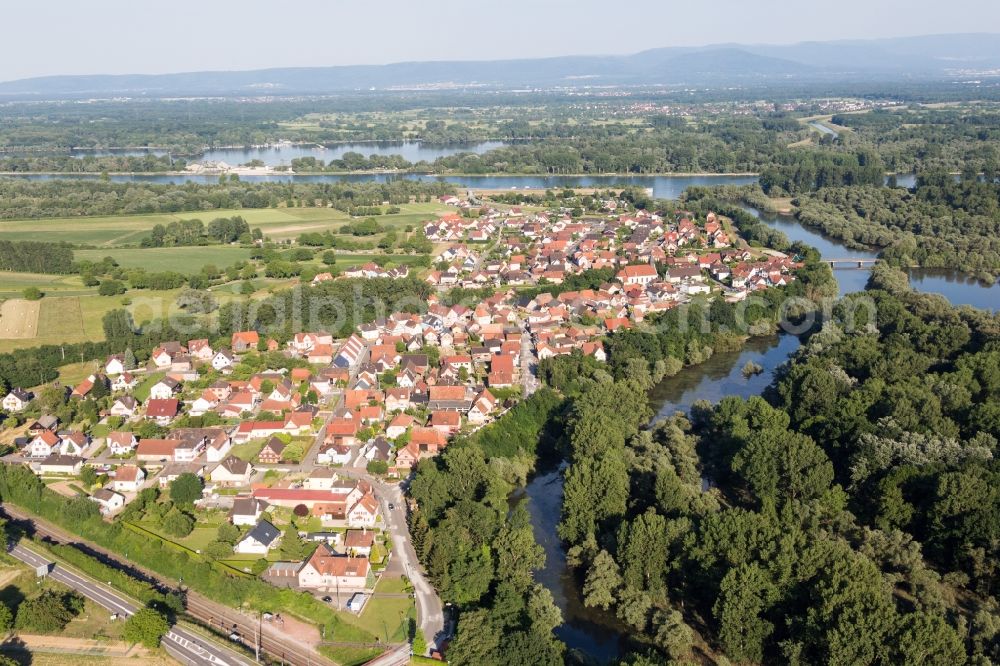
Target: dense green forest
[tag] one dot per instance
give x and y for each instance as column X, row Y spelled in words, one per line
column 21, row 199
column 36, row 257
column 943, row 223
column 851, row 516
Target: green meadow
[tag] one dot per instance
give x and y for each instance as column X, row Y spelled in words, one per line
column 277, row 223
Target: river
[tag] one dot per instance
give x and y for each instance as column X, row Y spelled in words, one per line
column 665, row 187
column 597, row 634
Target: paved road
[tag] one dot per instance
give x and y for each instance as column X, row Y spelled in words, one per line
column 430, row 613
column 529, row 362
column 183, row 645
column 289, row 649
column 429, row 609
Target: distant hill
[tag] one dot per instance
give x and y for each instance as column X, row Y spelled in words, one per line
column 926, row 57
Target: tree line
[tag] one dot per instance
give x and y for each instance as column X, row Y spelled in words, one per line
column 36, row 257
column 21, row 199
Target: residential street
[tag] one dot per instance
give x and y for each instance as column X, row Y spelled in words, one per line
column 183, row 645
column 429, row 609
column 529, row 362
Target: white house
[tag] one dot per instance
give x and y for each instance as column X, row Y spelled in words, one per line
column 16, row 400
column 128, row 479
column 262, row 538
column 126, row 381
column 206, row 402
column 246, row 510
column 109, row 500
column 73, row 444
column 332, row 453
column 232, row 472
column 115, row 365
column 60, row 464
column 327, row 570
column 121, row 443
column 164, row 389
column 218, row 448
column 126, row 407
column 364, row 513
column 223, row 359
column 43, row 445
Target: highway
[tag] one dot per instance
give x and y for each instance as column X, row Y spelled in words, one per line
column 183, row 645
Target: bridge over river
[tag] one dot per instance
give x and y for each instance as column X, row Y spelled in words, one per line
column 858, row 262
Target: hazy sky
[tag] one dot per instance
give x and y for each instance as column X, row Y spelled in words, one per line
column 43, row 37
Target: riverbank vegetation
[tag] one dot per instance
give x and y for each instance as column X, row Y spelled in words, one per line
column 479, row 553
column 942, row 223
column 849, row 518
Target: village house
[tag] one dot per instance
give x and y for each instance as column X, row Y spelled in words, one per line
column 73, row 443
column 271, row 453
column 125, row 406
column 162, row 411
column 333, row 453
column 126, row 381
column 156, row 450
column 115, row 365
column 358, row 543
column 246, row 511
column 108, row 500
column 200, row 350
column 223, row 360
column 172, row 471
column 128, row 479
column 121, row 443
column 244, row 341
column 399, row 425
column 263, row 537
column 320, row 478
column 232, row 472
column 325, row 570
column 60, row 464
column 164, row 389
column 16, row 400
column 43, row 445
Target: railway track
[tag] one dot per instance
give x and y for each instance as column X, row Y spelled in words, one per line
column 211, row 613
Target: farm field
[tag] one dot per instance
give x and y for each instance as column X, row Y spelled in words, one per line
column 69, row 319
column 185, row 260
column 277, row 223
column 19, row 318
column 13, row 284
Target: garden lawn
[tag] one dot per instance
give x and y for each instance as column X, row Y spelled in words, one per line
column 248, row 450
column 141, row 392
column 386, row 617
